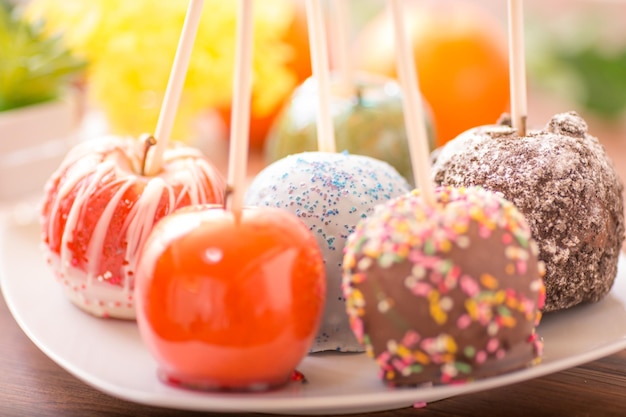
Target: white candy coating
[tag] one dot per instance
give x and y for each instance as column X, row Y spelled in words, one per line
column 330, row 193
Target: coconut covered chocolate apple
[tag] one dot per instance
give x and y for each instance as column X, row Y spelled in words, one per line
column 562, row 180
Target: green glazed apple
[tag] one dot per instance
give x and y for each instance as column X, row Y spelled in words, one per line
column 368, row 121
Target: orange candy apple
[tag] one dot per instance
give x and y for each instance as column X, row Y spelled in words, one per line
column 229, row 301
column 98, row 209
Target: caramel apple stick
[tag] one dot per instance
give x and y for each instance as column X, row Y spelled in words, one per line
column 175, row 85
column 319, row 63
column 240, row 117
column 414, row 117
column 517, row 66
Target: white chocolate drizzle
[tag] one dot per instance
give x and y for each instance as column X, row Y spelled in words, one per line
column 187, row 177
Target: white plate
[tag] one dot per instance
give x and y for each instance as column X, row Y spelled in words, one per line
column 110, row 356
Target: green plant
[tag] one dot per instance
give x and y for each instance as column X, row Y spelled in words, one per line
column 34, row 67
column 576, row 62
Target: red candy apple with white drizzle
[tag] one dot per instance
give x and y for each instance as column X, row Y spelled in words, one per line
column 101, row 203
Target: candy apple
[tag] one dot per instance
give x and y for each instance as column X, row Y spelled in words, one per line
column 229, row 301
column 368, row 119
column 98, row 208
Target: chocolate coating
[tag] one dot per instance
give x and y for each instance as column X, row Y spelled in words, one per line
column 446, row 293
column 563, row 182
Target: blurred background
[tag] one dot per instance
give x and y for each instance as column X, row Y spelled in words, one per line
column 107, row 62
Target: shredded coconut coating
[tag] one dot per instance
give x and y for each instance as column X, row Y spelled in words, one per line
column 563, row 182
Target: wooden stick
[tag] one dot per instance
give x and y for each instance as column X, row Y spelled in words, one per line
column 175, row 85
column 414, row 117
column 319, row 62
column 240, row 117
column 517, row 66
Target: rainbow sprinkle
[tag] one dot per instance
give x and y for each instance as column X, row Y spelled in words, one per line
column 458, row 283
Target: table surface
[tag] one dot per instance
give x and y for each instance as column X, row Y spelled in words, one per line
column 32, row 384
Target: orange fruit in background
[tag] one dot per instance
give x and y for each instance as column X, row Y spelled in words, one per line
column 297, row 38
column 461, row 58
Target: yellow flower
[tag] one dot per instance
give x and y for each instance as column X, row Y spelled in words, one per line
column 130, row 46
